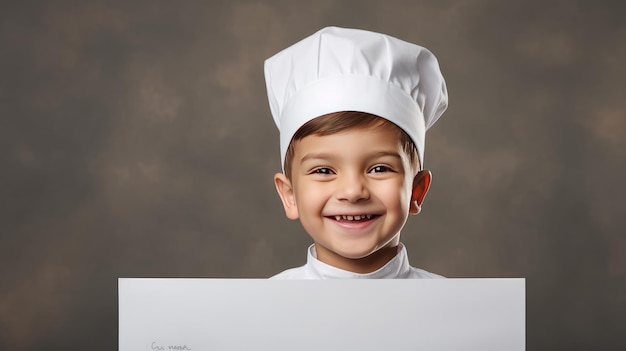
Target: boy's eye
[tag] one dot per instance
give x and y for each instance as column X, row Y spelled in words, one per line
column 322, row 170
column 379, row 169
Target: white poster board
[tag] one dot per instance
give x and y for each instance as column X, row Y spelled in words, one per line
column 260, row 314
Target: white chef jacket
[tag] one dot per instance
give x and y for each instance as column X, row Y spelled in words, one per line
column 397, row 268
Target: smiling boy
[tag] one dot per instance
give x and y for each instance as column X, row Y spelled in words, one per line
column 352, row 108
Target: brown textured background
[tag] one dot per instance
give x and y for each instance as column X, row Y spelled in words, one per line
column 136, row 141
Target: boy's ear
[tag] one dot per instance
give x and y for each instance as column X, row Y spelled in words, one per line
column 285, row 191
column 421, row 184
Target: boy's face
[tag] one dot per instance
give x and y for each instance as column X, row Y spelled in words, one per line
column 352, row 192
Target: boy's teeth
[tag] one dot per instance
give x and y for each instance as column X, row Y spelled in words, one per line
column 353, row 218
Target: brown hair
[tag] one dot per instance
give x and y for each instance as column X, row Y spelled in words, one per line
column 339, row 121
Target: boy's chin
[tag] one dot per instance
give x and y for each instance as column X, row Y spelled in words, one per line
column 365, row 257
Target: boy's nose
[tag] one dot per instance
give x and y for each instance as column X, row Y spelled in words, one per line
column 352, row 188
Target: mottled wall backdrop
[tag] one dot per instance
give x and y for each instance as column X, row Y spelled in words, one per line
column 136, row 141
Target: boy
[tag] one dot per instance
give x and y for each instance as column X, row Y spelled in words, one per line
column 352, row 108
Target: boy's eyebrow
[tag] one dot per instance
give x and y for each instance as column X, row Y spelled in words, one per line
column 386, row 153
column 315, row 156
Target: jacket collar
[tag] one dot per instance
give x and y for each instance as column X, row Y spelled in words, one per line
column 398, row 267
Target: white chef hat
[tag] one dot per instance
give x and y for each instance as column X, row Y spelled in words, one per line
column 340, row 69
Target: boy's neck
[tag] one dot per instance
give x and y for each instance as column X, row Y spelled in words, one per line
column 367, row 264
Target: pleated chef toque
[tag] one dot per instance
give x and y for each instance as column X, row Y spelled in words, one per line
column 340, row 69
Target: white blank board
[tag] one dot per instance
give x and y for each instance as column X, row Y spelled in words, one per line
column 260, row 314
